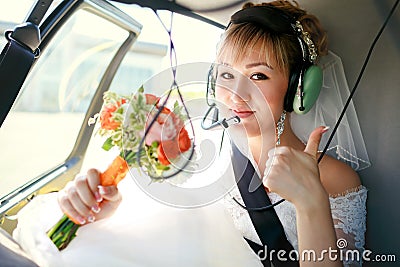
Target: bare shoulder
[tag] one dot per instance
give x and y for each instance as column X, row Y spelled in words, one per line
column 336, row 176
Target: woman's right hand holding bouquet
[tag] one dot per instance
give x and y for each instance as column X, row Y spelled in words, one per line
column 85, row 200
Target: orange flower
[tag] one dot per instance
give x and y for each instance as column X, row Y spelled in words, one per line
column 171, row 149
column 162, row 158
column 167, row 150
column 123, row 101
column 184, row 140
column 151, row 99
column 167, row 112
column 106, row 120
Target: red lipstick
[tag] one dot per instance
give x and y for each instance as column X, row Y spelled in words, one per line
column 243, row 113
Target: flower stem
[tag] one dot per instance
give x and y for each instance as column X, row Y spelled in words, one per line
column 63, row 232
column 57, row 225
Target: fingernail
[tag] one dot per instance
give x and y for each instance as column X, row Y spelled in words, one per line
column 91, row 218
column 103, row 190
column 98, row 197
column 81, row 220
column 326, row 128
column 96, row 208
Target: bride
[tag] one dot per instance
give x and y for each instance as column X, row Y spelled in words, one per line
column 264, row 53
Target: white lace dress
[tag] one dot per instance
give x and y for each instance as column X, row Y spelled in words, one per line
column 348, row 213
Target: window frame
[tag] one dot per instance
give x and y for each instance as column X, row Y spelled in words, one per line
column 55, row 178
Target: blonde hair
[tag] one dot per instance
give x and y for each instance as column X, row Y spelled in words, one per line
column 281, row 48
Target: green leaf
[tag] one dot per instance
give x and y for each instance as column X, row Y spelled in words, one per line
column 108, row 144
column 154, row 144
column 140, row 99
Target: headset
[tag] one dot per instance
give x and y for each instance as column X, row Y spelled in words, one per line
column 305, row 80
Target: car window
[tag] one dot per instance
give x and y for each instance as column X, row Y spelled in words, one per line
column 42, row 126
column 11, row 14
column 195, row 41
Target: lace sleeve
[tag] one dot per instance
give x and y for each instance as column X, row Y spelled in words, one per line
column 349, row 217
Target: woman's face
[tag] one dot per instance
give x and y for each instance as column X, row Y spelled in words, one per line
column 253, row 89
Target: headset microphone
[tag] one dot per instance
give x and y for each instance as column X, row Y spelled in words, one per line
column 225, row 122
column 229, row 121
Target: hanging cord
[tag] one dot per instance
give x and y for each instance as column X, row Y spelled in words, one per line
column 344, row 108
column 174, row 86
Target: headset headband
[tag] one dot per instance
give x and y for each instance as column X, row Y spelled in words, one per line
column 268, row 17
column 277, row 21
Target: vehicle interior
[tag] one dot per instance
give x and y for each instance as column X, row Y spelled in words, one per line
column 75, row 50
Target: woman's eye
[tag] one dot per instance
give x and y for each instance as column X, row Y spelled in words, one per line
column 227, row 75
column 259, row 76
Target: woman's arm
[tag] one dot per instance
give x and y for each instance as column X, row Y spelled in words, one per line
column 316, row 235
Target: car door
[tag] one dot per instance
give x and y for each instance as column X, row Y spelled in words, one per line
column 87, row 47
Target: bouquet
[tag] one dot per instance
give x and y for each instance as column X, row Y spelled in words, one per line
column 123, row 121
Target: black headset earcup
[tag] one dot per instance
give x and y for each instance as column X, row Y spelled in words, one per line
column 312, row 84
column 292, row 88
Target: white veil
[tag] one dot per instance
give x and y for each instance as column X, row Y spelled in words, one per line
column 348, row 143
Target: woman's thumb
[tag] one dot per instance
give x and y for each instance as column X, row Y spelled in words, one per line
column 313, row 141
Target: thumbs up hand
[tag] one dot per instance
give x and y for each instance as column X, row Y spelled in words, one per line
column 294, row 174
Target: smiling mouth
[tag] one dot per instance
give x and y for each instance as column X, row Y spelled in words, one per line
column 243, row 113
